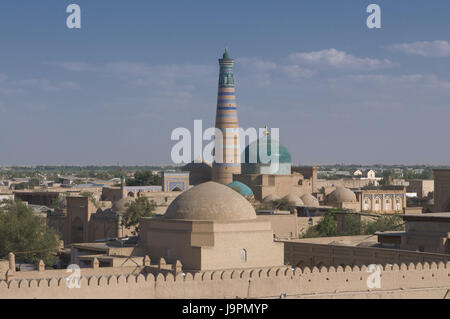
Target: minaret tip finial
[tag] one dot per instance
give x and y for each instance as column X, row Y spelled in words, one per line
column 226, row 54
column 266, row 131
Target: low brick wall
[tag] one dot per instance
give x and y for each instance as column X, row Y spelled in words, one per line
column 301, row 254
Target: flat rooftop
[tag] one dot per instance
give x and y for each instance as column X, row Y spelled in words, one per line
column 435, row 217
column 391, row 233
column 356, row 241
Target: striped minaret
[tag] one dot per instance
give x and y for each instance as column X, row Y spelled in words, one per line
column 229, row 162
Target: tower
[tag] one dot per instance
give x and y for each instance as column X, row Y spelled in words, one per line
column 227, row 147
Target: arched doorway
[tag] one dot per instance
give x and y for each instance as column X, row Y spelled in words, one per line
column 388, row 204
column 377, row 205
column 398, row 204
column 367, row 204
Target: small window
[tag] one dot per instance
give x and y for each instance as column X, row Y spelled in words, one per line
column 243, row 255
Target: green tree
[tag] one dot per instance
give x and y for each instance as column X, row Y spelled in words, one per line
column 384, row 223
column 281, row 204
column 326, row 227
column 92, row 198
column 144, row 178
column 26, row 235
column 141, row 207
column 352, row 225
column 57, row 202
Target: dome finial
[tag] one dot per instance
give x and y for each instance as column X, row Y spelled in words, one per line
column 226, row 54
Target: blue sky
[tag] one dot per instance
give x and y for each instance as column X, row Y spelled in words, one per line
column 114, row 90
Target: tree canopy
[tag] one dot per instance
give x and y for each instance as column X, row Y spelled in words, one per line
column 353, row 225
column 144, row 178
column 26, row 235
column 281, row 204
column 141, row 207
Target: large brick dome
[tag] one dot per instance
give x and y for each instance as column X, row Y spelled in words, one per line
column 210, row 201
column 341, row 195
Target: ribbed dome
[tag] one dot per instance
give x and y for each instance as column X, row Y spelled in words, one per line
column 210, row 201
column 268, row 146
column 241, row 188
column 341, row 195
column 122, row 205
column 309, row 200
column 270, row 198
column 293, row 200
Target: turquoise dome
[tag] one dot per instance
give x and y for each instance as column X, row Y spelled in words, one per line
column 241, row 188
column 284, row 157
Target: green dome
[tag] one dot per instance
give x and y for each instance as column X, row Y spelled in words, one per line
column 270, row 145
column 241, row 188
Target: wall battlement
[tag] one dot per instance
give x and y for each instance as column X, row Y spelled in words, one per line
column 402, row 279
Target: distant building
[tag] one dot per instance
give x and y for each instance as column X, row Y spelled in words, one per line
column 274, row 178
column 441, row 190
column 84, row 222
column 368, row 174
column 6, row 196
column 41, row 198
column 424, row 233
column 422, row 187
column 382, row 200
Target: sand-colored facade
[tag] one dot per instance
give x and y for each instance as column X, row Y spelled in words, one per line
column 441, row 190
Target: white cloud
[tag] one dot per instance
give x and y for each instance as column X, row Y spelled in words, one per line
column 74, row 66
column 255, row 72
column 10, row 87
column 437, row 48
column 424, row 80
column 295, row 71
column 256, row 64
column 332, row 58
column 44, row 84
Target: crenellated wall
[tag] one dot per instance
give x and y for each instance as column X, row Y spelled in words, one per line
column 419, row 280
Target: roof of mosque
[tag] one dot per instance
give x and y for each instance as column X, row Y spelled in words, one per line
column 342, row 195
column 210, row 201
column 309, row 200
column 293, row 200
column 269, row 146
column 270, row 198
column 241, row 188
column 121, row 205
